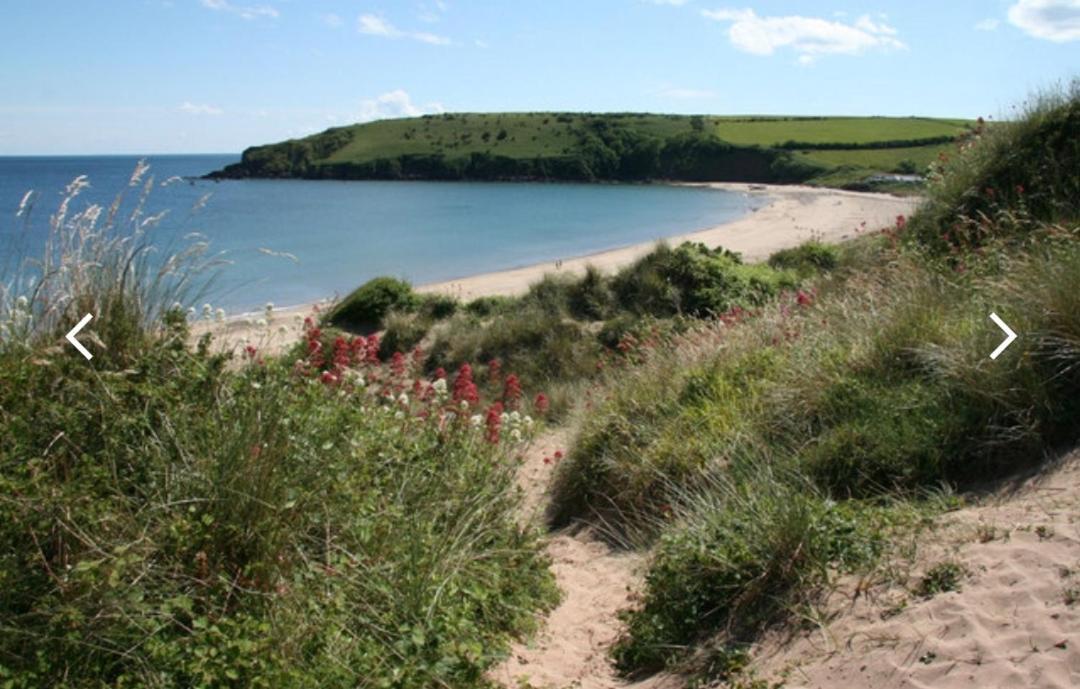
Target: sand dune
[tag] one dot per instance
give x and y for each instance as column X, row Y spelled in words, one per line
column 1010, row 625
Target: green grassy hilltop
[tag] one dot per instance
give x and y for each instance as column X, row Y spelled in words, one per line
column 618, row 146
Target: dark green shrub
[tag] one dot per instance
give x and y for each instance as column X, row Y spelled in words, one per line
column 402, row 332
column 590, row 297
column 807, row 259
column 364, row 308
column 488, row 306
column 437, row 306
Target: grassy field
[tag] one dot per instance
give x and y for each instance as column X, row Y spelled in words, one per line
column 607, row 146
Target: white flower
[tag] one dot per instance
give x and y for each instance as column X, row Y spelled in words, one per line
column 504, row 417
column 21, row 302
column 261, row 323
column 475, row 420
column 403, row 399
column 515, row 435
column 399, row 414
column 219, row 315
column 207, row 311
column 464, row 405
column 528, row 421
column 439, row 387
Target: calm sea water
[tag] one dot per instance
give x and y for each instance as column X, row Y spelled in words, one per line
column 344, row 233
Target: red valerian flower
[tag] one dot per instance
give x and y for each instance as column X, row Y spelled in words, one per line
column 329, row 378
column 397, row 365
column 541, row 403
column 494, row 422
column 464, row 387
column 250, row 351
column 440, row 373
column 494, row 371
column 373, row 349
column 512, row 391
column 804, row 298
column 901, row 223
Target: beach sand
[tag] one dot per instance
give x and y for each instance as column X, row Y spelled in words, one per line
column 794, row 214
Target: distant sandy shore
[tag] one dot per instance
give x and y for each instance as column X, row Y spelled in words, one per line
column 793, row 215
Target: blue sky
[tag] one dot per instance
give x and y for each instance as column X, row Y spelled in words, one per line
column 163, row 76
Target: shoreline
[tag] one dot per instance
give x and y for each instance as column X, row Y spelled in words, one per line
column 792, row 214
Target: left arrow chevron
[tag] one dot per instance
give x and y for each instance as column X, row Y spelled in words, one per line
column 75, row 331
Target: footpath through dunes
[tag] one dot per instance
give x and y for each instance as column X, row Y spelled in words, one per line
column 1013, row 619
column 572, row 647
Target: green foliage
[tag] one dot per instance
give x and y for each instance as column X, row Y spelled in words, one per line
column 1028, row 165
column 742, row 553
column 365, row 307
column 764, row 454
column 941, row 578
column 807, row 259
column 213, row 525
column 695, row 280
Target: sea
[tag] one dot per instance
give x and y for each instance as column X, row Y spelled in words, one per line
column 297, row 241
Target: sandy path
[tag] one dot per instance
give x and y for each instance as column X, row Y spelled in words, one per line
column 793, row 215
column 1010, row 625
column 571, row 650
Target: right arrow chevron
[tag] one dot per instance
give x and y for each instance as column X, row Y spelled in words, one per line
column 1010, row 335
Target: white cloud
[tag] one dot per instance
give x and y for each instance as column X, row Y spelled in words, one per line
column 374, row 25
column 808, row 37
column 243, row 11
column 1051, row 20
column 673, row 3
column 200, row 109
column 396, row 103
column 987, row 25
column 332, row 20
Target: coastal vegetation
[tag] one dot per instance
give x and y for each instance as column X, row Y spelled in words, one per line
column 762, row 459
column 345, row 513
column 611, row 147
column 175, row 517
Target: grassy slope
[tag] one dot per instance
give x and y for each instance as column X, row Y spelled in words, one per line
column 527, row 136
column 766, row 456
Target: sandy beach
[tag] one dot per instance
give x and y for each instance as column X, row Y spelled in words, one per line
column 793, row 215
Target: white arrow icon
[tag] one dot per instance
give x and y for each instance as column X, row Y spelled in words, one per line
column 1009, row 336
column 75, row 331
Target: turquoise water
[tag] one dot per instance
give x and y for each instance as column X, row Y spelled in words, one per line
column 344, row 233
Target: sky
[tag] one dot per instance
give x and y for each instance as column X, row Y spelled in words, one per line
column 216, row 76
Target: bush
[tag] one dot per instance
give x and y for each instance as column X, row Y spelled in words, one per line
column 807, row 259
column 740, row 555
column 1028, row 164
column 437, row 306
column 402, row 332
column 365, row 307
column 697, row 281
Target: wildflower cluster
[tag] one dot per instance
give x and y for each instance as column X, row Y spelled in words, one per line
column 352, row 366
